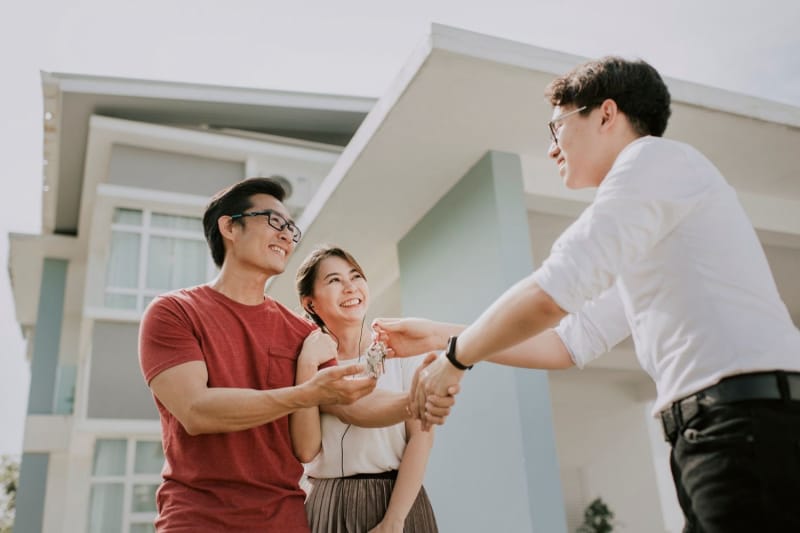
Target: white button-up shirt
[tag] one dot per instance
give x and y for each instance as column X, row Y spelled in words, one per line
column 665, row 253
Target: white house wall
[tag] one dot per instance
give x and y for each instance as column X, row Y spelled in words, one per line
column 97, row 389
column 116, row 387
column 159, row 170
column 601, row 422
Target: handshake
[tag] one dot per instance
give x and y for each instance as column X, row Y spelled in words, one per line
column 435, row 382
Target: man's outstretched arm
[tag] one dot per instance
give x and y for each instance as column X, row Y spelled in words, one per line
column 545, row 350
column 385, row 408
column 184, row 391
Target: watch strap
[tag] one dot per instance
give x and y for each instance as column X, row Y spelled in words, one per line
column 450, row 353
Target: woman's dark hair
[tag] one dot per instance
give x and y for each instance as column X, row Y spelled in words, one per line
column 307, row 275
column 635, row 86
column 232, row 201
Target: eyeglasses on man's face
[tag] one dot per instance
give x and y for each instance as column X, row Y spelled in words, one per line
column 275, row 220
column 555, row 124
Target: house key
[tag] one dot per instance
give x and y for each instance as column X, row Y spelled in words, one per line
column 376, row 353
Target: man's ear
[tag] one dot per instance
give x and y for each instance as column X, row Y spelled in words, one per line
column 225, row 226
column 608, row 112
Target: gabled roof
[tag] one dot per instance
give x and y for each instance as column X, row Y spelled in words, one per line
column 463, row 93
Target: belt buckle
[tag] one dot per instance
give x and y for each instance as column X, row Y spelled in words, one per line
column 793, row 382
column 689, row 408
column 668, row 423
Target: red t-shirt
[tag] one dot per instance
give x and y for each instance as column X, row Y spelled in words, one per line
column 242, row 481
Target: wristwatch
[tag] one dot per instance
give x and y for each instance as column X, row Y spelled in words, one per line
column 450, row 353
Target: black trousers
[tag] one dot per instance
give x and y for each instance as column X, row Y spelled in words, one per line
column 736, row 467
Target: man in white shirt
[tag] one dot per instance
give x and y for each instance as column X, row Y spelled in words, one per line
column 664, row 253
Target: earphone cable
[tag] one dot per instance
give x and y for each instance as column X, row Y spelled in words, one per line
column 342, row 503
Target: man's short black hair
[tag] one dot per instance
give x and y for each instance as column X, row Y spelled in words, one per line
column 635, row 86
column 232, row 201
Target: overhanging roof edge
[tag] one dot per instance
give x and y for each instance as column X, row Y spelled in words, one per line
column 515, row 53
column 88, row 84
column 371, row 124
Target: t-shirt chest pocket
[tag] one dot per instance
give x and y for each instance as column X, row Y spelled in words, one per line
column 281, row 367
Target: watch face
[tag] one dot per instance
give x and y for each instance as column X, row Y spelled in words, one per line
column 451, row 345
column 451, row 355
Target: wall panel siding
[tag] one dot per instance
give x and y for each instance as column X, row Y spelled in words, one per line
column 498, row 446
column 132, row 166
column 47, row 337
column 116, row 386
column 31, row 492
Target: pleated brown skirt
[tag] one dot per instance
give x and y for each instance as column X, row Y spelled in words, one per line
column 348, row 505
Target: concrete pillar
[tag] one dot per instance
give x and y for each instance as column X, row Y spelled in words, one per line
column 494, row 464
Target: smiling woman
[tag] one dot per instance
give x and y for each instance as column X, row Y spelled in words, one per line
column 363, row 479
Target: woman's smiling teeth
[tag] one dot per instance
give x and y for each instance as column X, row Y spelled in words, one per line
column 278, row 249
column 351, row 302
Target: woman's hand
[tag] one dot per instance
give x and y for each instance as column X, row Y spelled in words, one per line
column 318, row 348
column 388, row 525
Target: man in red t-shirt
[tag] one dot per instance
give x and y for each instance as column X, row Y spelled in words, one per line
column 220, row 360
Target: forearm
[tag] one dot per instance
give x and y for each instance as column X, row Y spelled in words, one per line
column 223, row 410
column 545, row 351
column 442, row 332
column 409, row 476
column 378, row 409
column 184, row 391
column 304, row 424
column 523, row 311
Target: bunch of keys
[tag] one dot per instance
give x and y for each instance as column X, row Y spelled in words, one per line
column 376, row 353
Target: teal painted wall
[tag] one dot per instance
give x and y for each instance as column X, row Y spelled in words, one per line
column 47, row 337
column 494, row 465
column 42, row 398
column 31, row 492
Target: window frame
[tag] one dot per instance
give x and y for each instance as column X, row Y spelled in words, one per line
column 129, row 478
column 146, row 231
column 98, row 217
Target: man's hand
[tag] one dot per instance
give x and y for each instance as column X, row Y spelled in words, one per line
column 318, row 348
column 410, row 336
column 338, row 385
column 433, row 384
column 435, row 408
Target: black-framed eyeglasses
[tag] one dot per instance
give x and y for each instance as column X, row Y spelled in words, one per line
column 553, row 124
column 275, row 220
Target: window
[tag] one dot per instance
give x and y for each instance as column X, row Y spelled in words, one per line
column 125, row 476
column 152, row 253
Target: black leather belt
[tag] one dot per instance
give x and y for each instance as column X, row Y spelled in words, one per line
column 776, row 385
column 389, row 474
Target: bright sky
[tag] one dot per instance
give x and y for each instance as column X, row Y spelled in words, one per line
column 343, row 46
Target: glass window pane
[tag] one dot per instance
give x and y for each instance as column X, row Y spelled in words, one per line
column 120, row 301
column 159, row 263
column 123, row 264
column 149, row 457
column 109, row 457
column 144, row 498
column 130, row 217
column 143, row 528
column 174, row 263
column 191, row 263
column 159, row 220
column 146, row 301
column 105, row 508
